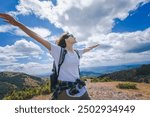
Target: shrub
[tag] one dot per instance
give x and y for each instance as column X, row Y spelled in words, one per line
column 105, row 79
column 147, row 81
column 126, row 86
column 28, row 93
column 84, row 79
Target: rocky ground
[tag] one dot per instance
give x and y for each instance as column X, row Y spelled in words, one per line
column 108, row 91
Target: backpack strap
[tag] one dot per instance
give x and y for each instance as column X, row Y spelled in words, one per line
column 60, row 62
column 77, row 52
column 61, row 59
column 55, row 74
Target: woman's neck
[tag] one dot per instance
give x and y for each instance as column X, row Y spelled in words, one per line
column 69, row 48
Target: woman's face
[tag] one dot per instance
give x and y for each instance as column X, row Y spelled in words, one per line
column 71, row 40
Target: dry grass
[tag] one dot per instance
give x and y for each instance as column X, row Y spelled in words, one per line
column 109, row 91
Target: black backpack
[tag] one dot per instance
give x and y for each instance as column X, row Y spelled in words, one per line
column 55, row 73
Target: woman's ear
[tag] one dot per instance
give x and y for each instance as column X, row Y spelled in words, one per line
column 66, row 40
column 57, row 41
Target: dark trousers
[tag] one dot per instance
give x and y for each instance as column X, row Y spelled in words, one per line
column 64, row 96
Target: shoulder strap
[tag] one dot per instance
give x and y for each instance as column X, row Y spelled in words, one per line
column 77, row 53
column 60, row 62
column 79, row 58
column 61, row 59
column 54, row 76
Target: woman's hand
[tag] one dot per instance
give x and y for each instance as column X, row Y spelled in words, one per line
column 9, row 19
column 90, row 48
column 95, row 46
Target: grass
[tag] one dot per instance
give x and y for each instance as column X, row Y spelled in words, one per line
column 29, row 93
column 127, row 85
column 105, row 79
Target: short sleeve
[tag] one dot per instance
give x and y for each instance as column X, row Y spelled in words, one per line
column 55, row 51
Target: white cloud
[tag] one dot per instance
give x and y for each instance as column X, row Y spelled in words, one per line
column 40, row 31
column 32, row 68
column 11, row 55
column 5, row 60
column 119, row 48
column 43, row 32
column 21, row 49
column 94, row 17
column 6, row 28
column 83, row 18
column 91, row 22
column 42, row 9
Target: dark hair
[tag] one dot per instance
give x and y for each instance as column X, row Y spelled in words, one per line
column 61, row 42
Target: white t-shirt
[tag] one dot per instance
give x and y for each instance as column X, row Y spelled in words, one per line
column 69, row 69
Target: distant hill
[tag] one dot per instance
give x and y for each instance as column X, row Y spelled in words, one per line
column 140, row 74
column 109, row 69
column 89, row 74
column 101, row 70
column 97, row 71
column 10, row 81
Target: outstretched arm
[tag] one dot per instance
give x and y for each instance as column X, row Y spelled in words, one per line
column 11, row 20
column 90, row 48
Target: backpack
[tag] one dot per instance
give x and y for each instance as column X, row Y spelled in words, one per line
column 55, row 73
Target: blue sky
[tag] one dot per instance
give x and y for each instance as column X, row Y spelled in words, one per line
column 138, row 20
column 123, row 32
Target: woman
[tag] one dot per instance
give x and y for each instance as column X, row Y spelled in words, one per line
column 69, row 72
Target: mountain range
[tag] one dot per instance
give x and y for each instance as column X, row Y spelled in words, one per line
column 139, row 74
column 10, row 81
column 97, row 71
